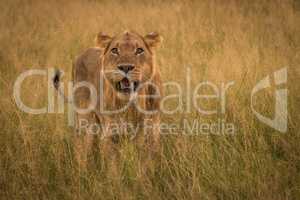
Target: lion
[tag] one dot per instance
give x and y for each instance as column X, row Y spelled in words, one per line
column 123, row 74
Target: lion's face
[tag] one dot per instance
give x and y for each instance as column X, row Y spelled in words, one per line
column 127, row 61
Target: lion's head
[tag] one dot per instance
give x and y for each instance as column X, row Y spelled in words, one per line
column 127, row 60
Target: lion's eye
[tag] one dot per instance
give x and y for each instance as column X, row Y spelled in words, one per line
column 139, row 51
column 114, row 51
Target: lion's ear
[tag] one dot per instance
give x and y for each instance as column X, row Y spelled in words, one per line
column 153, row 39
column 103, row 40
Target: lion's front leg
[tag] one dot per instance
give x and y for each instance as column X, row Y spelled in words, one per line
column 84, row 137
column 151, row 130
column 108, row 135
column 152, row 119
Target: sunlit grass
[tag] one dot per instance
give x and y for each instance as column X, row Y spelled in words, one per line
column 240, row 41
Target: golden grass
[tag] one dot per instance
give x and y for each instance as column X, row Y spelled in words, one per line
column 222, row 41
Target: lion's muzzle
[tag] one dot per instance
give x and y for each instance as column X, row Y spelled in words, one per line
column 126, row 68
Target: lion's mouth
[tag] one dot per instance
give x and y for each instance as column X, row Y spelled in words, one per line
column 127, row 86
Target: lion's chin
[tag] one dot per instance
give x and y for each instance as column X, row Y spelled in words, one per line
column 126, row 87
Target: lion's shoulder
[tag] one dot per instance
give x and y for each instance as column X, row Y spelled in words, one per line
column 86, row 63
column 89, row 56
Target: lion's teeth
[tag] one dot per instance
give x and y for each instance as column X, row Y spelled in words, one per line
column 125, row 86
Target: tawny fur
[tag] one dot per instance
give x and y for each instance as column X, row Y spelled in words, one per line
column 91, row 66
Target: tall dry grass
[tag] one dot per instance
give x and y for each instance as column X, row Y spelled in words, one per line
column 222, row 41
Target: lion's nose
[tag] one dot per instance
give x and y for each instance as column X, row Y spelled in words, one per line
column 126, row 68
